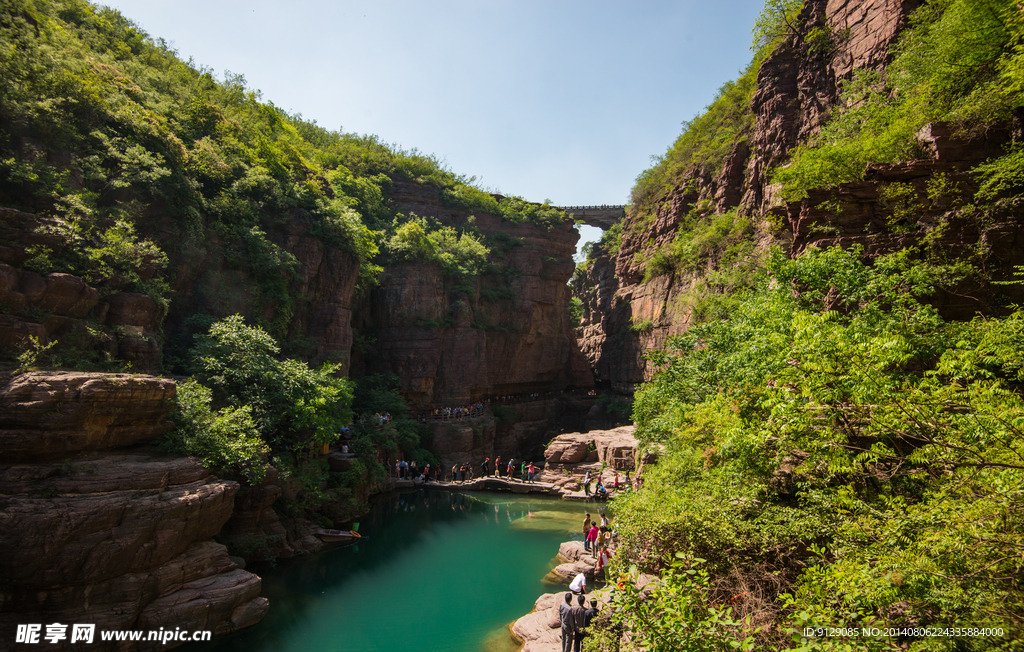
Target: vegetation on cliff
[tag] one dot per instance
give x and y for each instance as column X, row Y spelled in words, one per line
column 145, row 168
column 144, row 173
column 962, row 62
column 705, row 142
column 838, row 454
column 247, row 407
column 245, row 401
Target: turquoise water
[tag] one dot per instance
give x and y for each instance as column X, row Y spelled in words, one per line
column 437, row 572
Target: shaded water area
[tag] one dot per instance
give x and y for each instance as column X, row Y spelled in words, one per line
column 438, row 571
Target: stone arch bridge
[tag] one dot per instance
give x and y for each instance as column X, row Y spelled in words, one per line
column 600, row 216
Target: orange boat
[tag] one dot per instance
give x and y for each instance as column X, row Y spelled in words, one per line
column 334, row 536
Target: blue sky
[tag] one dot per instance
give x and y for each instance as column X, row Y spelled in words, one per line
column 563, row 100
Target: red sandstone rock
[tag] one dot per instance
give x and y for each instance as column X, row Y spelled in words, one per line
column 454, row 342
column 797, row 86
column 615, row 448
column 540, row 631
column 50, row 414
column 15, row 333
column 134, row 309
column 65, row 294
column 117, row 539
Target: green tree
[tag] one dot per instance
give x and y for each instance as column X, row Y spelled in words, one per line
column 224, row 439
column 292, row 405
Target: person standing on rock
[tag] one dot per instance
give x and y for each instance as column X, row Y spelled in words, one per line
column 589, row 615
column 497, row 466
column 568, row 622
column 483, row 467
column 586, row 484
column 602, row 559
column 579, row 621
column 586, row 531
column 592, row 539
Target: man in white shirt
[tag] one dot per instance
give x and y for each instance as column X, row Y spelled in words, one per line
column 578, row 584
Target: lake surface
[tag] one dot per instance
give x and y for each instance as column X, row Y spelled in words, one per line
column 438, row 571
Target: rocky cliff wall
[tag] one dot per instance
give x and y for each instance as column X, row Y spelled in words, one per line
column 454, row 341
column 797, row 85
column 628, row 311
column 518, row 430
column 314, row 323
column 85, row 326
column 99, row 528
column 451, row 340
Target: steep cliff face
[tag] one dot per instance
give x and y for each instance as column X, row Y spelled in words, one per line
column 109, row 531
column 85, row 326
column 799, row 83
column 457, row 340
column 451, row 340
column 636, row 308
column 315, row 323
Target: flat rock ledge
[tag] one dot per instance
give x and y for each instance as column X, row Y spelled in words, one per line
column 602, row 453
column 575, row 560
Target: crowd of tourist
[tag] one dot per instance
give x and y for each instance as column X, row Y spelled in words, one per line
column 597, row 539
column 458, row 412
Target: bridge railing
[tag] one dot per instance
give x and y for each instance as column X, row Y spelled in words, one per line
column 603, row 207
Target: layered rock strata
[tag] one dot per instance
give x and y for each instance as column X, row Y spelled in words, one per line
column 97, row 527
column 519, row 430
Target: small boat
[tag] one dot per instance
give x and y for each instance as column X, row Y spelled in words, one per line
column 332, row 536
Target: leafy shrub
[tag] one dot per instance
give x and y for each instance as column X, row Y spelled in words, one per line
column 518, row 210
column 224, row 439
column 838, row 440
column 678, row 611
column 459, row 254
column 293, row 406
column 641, row 325
column 575, row 311
column 776, row 22
column 1001, row 175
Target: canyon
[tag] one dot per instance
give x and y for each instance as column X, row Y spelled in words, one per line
column 112, row 530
